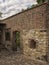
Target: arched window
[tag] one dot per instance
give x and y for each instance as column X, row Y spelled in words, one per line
column 32, row 44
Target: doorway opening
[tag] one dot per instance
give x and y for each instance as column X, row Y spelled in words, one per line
column 16, row 40
column 2, row 30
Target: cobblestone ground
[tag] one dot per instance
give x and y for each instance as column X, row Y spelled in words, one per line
column 17, row 59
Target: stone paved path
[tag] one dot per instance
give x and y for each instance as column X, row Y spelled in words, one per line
column 17, row 59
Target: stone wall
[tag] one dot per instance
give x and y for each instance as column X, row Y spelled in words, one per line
column 40, row 38
column 33, row 18
column 47, row 27
column 32, row 25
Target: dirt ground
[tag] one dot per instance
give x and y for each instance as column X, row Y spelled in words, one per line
column 16, row 58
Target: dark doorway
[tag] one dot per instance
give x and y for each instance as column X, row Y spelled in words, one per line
column 0, row 36
column 16, row 40
column 2, row 28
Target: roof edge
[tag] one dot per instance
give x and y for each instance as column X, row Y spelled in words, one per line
column 25, row 10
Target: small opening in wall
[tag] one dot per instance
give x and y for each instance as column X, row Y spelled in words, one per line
column 32, row 44
column 7, row 36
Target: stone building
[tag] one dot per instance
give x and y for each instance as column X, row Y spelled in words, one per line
column 28, row 32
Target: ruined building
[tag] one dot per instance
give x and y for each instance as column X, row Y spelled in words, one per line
column 27, row 31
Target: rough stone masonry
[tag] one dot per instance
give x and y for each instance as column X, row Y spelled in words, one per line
column 33, row 25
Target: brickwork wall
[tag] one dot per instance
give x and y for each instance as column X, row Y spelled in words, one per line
column 30, row 19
